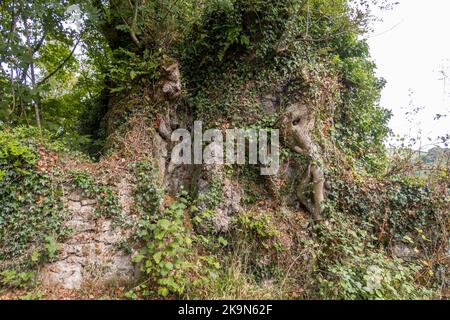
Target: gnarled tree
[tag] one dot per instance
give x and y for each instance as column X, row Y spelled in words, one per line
column 296, row 124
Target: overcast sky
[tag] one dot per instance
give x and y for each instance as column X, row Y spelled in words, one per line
column 410, row 47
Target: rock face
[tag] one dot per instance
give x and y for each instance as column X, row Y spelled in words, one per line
column 230, row 206
column 210, row 177
column 402, row 251
column 91, row 253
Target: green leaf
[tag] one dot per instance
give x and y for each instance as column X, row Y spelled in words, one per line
column 157, row 257
column 137, row 258
column 163, row 291
column 164, row 223
column 35, row 256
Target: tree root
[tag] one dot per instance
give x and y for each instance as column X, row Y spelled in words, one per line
column 296, row 125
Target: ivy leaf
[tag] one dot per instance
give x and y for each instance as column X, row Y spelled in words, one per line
column 137, row 258
column 157, row 257
column 35, row 256
column 163, row 291
column 164, row 223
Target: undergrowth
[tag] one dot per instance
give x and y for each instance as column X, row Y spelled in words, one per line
column 32, row 214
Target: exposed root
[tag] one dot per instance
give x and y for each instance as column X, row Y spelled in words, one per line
column 296, row 125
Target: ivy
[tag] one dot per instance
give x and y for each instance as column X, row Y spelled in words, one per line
column 32, row 214
column 129, row 68
column 167, row 255
column 107, row 200
column 353, row 268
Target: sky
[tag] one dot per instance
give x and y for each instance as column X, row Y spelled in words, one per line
column 410, row 47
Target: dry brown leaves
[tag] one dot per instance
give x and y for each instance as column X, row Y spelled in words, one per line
column 88, row 293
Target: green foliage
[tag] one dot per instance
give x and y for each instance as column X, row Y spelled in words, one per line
column 320, row 36
column 354, row 269
column 259, row 226
column 27, row 56
column 129, row 69
column 400, row 210
column 41, row 70
column 361, row 125
column 214, row 195
column 373, row 277
column 31, row 209
column 234, row 283
column 166, row 241
column 166, row 251
column 12, row 279
column 234, row 54
column 231, row 28
column 15, row 157
column 394, row 208
column 167, row 255
column 148, row 193
column 213, row 39
column 260, row 242
column 33, row 295
column 107, row 201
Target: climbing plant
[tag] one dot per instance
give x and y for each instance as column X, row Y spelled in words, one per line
column 32, row 212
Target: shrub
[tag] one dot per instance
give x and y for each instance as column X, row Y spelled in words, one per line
column 353, row 267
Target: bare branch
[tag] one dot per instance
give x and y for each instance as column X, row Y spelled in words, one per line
column 133, row 24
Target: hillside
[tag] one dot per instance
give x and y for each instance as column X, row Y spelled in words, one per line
column 121, row 176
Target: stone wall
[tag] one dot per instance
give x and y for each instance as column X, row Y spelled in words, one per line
column 91, row 253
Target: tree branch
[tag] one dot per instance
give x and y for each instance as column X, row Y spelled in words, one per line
column 39, row 44
column 60, row 66
column 133, row 24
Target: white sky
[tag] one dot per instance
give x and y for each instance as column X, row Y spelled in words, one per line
column 410, row 46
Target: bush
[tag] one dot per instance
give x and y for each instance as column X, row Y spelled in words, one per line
column 353, row 267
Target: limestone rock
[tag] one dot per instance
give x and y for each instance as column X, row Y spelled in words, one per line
column 88, row 202
column 90, row 254
column 401, row 250
column 232, row 195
